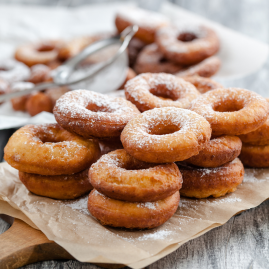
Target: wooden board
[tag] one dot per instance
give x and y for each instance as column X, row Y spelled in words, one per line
column 21, row 245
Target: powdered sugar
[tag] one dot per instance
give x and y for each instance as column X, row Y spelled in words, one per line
column 149, row 205
column 251, row 176
column 79, row 204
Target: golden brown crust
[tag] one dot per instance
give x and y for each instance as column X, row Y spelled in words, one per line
column 49, row 150
column 40, row 53
column 120, row 176
column 164, row 135
column 146, row 91
column 258, row 137
column 57, row 187
column 232, row 111
column 151, row 60
column 255, row 156
column 206, row 68
column 203, row 84
column 187, row 46
column 19, row 103
column 117, row 213
column 91, row 114
column 216, row 182
column 217, row 152
column 39, row 102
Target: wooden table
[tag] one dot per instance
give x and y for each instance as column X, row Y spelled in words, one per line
column 243, row 242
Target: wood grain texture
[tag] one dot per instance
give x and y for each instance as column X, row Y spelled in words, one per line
column 243, row 242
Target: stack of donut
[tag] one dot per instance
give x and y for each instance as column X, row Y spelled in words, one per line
column 185, row 49
column 255, row 149
column 51, row 161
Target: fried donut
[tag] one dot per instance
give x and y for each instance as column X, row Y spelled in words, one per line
column 120, row 176
column 232, row 111
column 151, row 60
column 207, row 68
column 217, row 152
column 255, row 156
column 130, row 74
column 56, row 92
column 146, row 89
column 202, row 84
column 91, row 114
column 38, row 103
column 13, row 71
column 19, row 103
column 40, row 73
column 129, row 215
column 216, row 182
column 57, row 187
column 258, row 137
column 134, row 48
column 164, row 135
column 147, row 21
column 38, row 53
column 48, row 149
column 187, row 44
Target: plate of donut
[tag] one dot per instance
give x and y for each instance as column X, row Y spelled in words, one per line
column 41, row 45
column 147, row 168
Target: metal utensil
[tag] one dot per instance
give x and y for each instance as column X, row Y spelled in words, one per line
column 68, row 74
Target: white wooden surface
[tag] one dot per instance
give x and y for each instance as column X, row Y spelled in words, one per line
column 243, row 242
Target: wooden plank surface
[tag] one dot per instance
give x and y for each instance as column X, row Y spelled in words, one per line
column 243, row 242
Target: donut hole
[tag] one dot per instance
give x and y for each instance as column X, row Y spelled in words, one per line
column 186, row 37
column 96, row 108
column 45, row 47
column 228, row 107
column 161, row 129
column 163, row 60
column 4, row 69
column 162, row 92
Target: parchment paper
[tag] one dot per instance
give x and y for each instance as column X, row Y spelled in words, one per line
column 70, row 225
column 240, row 55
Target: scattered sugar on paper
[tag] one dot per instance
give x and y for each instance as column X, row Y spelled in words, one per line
column 250, row 176
column 79, row 204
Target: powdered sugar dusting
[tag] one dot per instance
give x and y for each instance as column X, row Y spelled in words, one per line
column 80, row 204
column 149, row 205
column 251, row 176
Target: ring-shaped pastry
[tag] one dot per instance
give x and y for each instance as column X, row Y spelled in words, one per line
column 218, row 151
column 57, row 187
column 165, row 135
column 232, row 111
column 216, row 182
column 129, row 215
column 120, row 176
column 91, row 114
column 49, row 150
column 148, row 91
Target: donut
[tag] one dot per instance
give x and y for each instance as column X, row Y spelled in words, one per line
column 129, row 215
column 57, row 187
column 19, row 103
column 38, row 53
column 40, row 73
column 48, row 149
column 147, row 21
column 4, row 86
column 37, row 103
column 217, row 152
column 91, row 114
column 255, row 156
column 130, row 74
column 120, row 176
column 206, row 68
column 165, row 135
column 110, row 144
column 202, row 84
column 232, row 111
column 151, row 60
column 187, row 44
column 146, row 89
column 258, row 137
column 13, row 71
column 56, row 92
column 216, row 182
column 134, row 48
